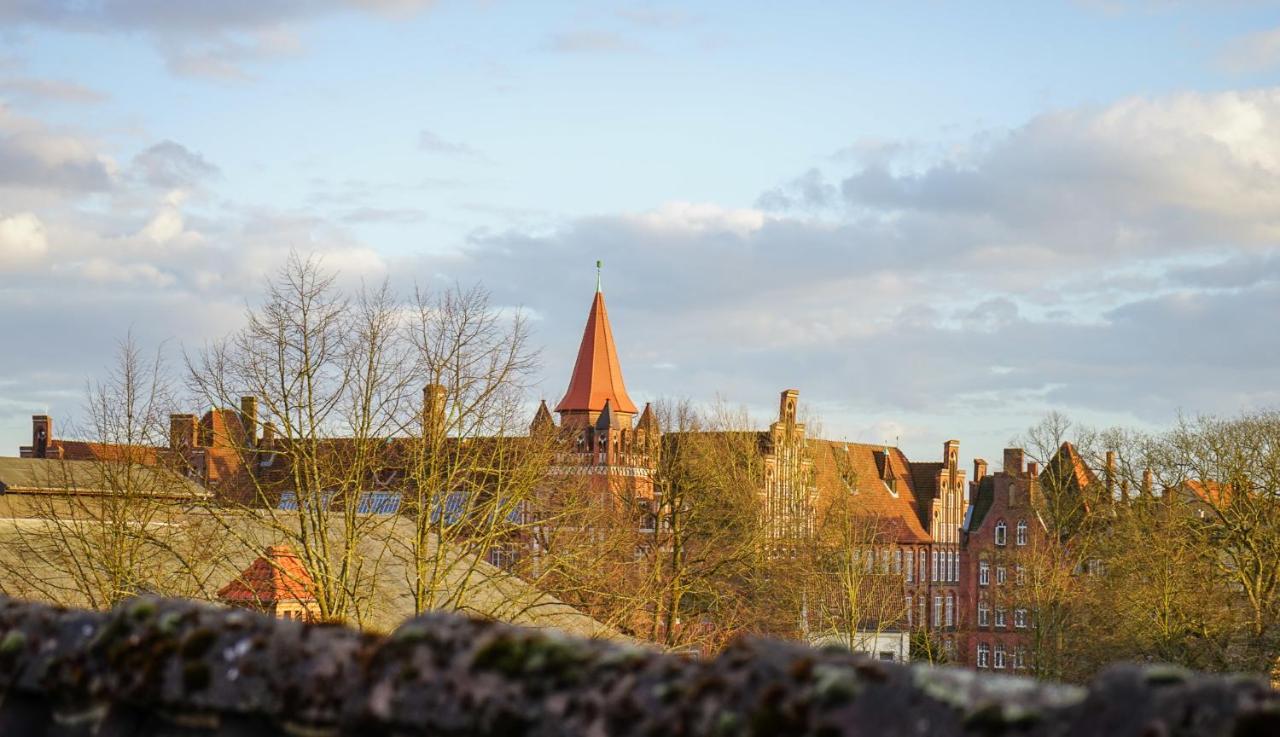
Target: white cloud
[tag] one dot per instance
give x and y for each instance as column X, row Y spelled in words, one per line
column 22, row 240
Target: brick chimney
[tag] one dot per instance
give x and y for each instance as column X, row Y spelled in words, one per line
column 979, row 469
column 1013, row 461
column 1148, row 483
column 41, row 435
column 1033, row 469
column 249, row 420
column 183, row 430
column 433, row 411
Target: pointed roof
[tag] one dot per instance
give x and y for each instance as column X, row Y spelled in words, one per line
column 607, row 419
column 277, row 575
column 597, row 375
column 648, row 421
column 542, row 418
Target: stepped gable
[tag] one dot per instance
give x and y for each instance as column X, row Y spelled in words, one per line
column 597, row 374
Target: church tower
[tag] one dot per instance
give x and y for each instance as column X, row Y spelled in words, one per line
column 598, row 418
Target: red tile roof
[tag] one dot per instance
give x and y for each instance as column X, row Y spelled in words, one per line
column 275, row 576
column 857, row 468
column 597, row 375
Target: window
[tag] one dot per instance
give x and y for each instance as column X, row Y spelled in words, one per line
column 1019, row 575
column 936, row 566
column 924, row 567
column 984, row 655
column 1020, row 618
column 984, row 573
column 924, row 603
column 1002, row 533
column 909, row 624
column 1001, row 577
column 887, row 655
column 951, row 609
column 1000, row 618
column 911, row 563
column 984, row 614
column 897, row 560
column 937, row 610
column 1020, row 658
column 998, row 661
column 1022, row 532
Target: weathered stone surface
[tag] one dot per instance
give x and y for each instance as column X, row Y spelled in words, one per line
column 159, row 667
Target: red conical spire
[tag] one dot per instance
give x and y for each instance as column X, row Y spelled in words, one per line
column 597, row 375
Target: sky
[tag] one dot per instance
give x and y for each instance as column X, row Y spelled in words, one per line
column 935, row 219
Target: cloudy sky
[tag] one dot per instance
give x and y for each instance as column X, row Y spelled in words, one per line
column 935, row 221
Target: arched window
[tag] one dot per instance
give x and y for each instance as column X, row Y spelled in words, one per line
column 1022, row 532
column 1002, row 533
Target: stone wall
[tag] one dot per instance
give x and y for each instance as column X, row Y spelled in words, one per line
column 161, row 667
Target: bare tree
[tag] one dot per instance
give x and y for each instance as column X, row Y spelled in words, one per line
column 110, row 524
column 329, row 373
column 472, row 467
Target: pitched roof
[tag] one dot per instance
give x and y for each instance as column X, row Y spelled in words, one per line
column 597, row 375
column 983, row 498
column 857, row 468
column 276, row 575
column 94, row 478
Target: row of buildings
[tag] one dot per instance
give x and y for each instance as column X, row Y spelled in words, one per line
column 951, row 540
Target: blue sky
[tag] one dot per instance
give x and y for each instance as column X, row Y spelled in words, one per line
column 935, row 219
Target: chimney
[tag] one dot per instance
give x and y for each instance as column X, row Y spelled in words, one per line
column 433, row 407
column 1148, row 483
column 1033, row 469
column 249, row 420
column 268, row 434
column 41, row 435
column 979, row 469
column 1109, row 474
column 182, row 433
column 1013, row 461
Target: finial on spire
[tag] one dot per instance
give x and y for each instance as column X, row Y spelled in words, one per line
column 599, row 266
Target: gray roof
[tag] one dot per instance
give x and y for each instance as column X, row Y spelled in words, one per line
column 54, row 476
column 45, row 559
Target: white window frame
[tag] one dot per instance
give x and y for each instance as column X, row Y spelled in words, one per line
column 997, row 661
column 937, row 610
column 1022, row 532
column 911, row 564
column 1019, row 574
column 1020, row 618
column 1000, row 617
column 1002, row 534
column 984, row 655
column 897, row 561
column 984, row 573
column 909, row 612
column 1002, row 576
column 984, row 614
column 950, row 618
